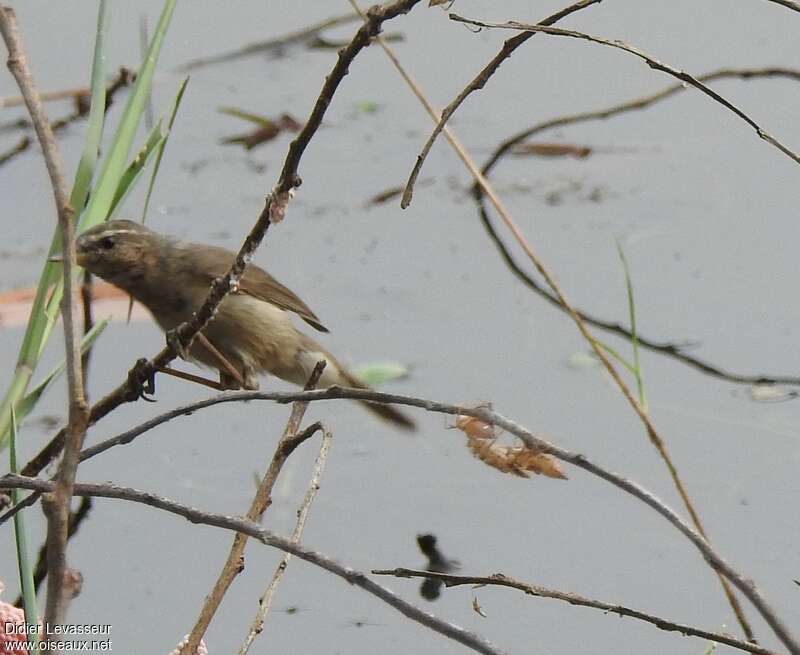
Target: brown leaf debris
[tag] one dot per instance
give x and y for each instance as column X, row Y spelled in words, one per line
column 516, row 460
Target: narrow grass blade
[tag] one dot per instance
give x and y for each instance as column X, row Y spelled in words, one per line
column 261, row 121
column 135, row 168
column 637, row 366
column 49, row 291
column 23, row 561
column 114, row 166
column 615, row 354
column 173, row 112
column 28, row 403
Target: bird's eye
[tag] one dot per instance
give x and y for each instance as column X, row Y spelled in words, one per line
column 106, row 243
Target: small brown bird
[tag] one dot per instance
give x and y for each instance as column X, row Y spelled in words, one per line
column 251, row 329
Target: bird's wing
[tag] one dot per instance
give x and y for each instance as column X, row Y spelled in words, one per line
column 258, row 283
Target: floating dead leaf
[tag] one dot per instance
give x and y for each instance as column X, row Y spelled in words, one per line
column 438, row 3
column 107, row 300
column 319, row 42
column 771, row 393
column 552, row 150
column 267, row 128
column 477, row 608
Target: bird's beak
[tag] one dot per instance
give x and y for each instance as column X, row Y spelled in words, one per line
column 80, row 258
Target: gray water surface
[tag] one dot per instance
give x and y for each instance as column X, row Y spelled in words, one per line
column 705, row 210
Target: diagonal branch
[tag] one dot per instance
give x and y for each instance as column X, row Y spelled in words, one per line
column 251, row 529
column 234, row 564
column 790, row 4
column 59, row 507
column 273, row 212
column 651, row 61
column 530, row 439
column 500, row 580
column 478, row 82
column 673, row 350
column 265, row 602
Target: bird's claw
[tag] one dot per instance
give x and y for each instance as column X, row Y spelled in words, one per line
column 142, row 380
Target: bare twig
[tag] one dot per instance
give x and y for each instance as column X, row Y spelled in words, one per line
column 650, row 60
column 48, row 96
column 477, row 83
column 632, row 105
column 676, row 351
column 265, row 602
column 58, row 516
column 251, row 529
column 123, row 78
column 234, row 565
column 530, row 439
column 483, row 184
column 75, row 520
column 790, row 4
column 274, row 210
column 500, row 580
column 22, row 145
column 641, row 412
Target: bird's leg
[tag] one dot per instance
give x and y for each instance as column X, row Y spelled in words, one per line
column 174, row 342
column 227, row 371
column 193, row 378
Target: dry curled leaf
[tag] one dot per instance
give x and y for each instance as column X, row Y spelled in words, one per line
column 552, row 150
column 475, row 428
column 477, row 608
column 516, row 460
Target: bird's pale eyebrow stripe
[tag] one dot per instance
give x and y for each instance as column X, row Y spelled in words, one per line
column 107, row 233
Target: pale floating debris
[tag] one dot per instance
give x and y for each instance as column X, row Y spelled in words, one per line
column 582, row 360
column 771, row 393
column 377, row 373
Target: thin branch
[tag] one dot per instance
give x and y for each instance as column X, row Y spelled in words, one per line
column 791, row 4
column 123, row 79
column 673, row 350
column 265, row 602
column 652, row 433
column 533, row 441
column 270, row 45
column 478, row 82
column 251, row 529
column 631, row 105
column 234, row 564
column 58, row 516
column 651, row 61
column 75, row 520
column 273, row 212
column 500, row 580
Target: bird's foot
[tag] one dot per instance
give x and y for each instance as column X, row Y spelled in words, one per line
column 142, row 380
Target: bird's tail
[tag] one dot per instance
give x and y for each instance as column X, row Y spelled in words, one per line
column 336, row 374
column 386, row 412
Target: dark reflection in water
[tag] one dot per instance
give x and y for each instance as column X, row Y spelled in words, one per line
column 431, row 589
